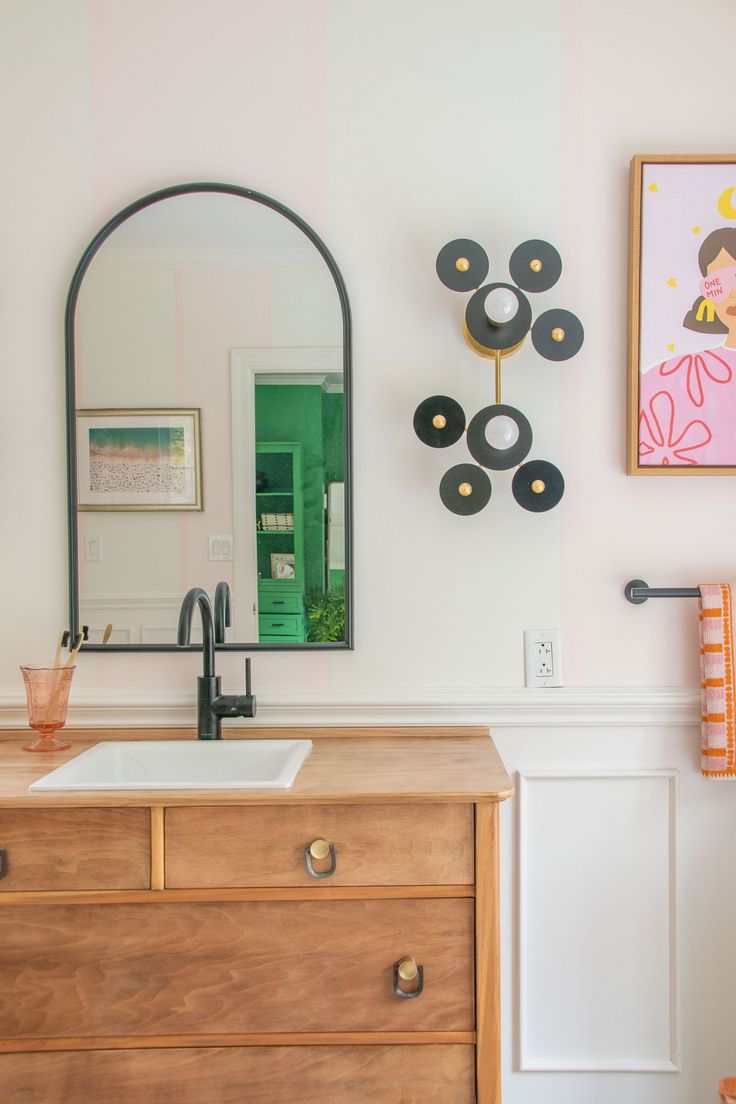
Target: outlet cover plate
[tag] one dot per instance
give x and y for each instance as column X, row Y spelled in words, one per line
column 542, row 657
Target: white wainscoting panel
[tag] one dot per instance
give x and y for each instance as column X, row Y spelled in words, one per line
column 136, row 619
column 597, row 921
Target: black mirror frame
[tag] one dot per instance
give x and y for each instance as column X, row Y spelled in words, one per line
column 71, row 303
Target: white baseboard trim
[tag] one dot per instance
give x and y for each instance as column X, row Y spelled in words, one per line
column 561, row 707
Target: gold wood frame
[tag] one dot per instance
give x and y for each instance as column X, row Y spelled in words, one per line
column 633, row 467
column 190, row 412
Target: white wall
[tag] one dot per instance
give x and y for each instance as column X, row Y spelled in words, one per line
column 392, row 128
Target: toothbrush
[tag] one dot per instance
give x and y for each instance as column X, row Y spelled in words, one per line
column 107, row 634
column 73, row 653
column 63, row 641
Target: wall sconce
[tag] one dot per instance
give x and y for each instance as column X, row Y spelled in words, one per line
column 498, row 318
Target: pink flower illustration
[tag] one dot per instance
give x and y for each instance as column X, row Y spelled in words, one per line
column 695, row 365
column 657, row 433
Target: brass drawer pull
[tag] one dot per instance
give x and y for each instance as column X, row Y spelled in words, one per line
column 3, row 862
column 408, row 972
column 318, row 851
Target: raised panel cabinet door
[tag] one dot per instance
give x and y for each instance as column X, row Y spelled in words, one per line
column 58, row 849
column 212, row 967
column 243, row 1075
column 371, row 845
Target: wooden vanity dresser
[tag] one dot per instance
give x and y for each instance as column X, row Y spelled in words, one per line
column 334, row 943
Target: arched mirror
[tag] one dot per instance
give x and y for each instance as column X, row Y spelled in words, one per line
column 208, row 412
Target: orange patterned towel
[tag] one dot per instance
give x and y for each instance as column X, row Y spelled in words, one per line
column 717, row 680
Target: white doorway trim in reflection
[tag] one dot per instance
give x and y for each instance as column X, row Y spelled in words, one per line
column 321, row 366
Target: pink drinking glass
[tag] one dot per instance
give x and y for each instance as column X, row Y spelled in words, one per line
column 727, row 1089
column 47, row 690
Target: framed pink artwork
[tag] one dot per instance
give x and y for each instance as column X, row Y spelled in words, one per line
column 682, row 315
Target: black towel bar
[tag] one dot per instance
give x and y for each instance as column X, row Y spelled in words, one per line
column 637, row 591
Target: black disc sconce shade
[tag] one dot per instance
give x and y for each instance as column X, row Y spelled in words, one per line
column 439, row 421
column 465, row 489
column 481, row 449
column 535, row 265
column 557, row 335
column 492, row 337
column 538, row 486
column 462, row 265
column 498, row 317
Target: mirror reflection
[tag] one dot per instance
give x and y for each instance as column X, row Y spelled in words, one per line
column 211, row 426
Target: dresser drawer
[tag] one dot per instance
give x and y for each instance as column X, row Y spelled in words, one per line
column 174, row 968
column 272, row 602
column 244, row 1075
column 371, row 845
column 58, row 849
column 289, row 625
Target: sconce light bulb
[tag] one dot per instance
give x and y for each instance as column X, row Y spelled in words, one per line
column 439, row 421
column 502, row 432
column 535, row 265
column 539, row 486
column 501, row 305
column 558, row 334
column 465, row 489
column 462, row 264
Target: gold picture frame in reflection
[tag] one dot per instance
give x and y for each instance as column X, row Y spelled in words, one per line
column 139, row 459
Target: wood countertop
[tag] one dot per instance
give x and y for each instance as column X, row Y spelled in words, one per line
column 346, row 765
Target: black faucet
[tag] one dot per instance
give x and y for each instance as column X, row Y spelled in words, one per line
column 212, row 706
column 222, row 611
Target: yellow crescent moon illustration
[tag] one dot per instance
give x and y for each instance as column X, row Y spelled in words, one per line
column 725, row 206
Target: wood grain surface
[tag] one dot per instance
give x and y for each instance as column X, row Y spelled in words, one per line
column 233, row 967
column 253, row 1075
column 487, row 955
column 260, row 732
column 157, row 847
column 68, row 849
column 235, row 1039
column 296, row 893
column 398, row 845
column 392, row 765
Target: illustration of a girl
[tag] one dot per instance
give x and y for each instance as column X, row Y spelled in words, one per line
column 688, row 403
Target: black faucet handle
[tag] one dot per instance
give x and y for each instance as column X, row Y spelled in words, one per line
column 247, row 677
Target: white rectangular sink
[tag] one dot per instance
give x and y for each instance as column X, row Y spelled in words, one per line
column 181, row 765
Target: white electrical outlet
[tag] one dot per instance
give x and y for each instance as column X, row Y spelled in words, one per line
column 542, row 657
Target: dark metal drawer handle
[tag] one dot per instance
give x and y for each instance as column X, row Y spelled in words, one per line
column 319, row 850
column 408, row 970
column 3, row 862
column 279, row 602
column 277, row 624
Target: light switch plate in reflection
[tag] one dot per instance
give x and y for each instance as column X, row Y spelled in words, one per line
column 220, row 546
column 93, row 549
column 542, row 657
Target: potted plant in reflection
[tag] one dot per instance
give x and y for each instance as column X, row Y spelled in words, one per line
column 326, row 616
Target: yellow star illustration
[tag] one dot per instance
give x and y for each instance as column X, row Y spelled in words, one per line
column 671, row 347
column 672, row 282
column 696, row 229
column 653, row 188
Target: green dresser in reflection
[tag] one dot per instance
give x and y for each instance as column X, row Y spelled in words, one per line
column 281, row 617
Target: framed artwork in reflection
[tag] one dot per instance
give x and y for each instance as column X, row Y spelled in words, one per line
column 139, row 460
column 682, row 315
